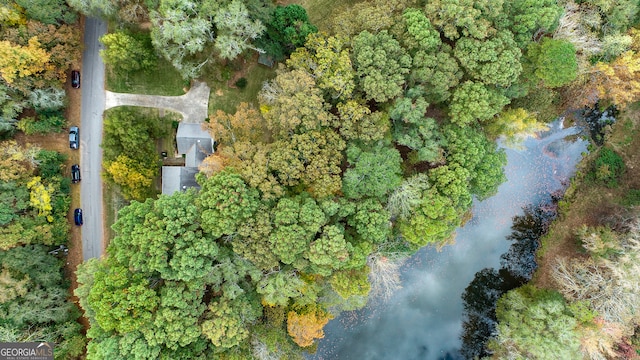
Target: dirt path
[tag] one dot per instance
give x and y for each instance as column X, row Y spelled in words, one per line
column 193, row 105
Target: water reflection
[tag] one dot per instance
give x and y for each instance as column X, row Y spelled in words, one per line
column 423, row 320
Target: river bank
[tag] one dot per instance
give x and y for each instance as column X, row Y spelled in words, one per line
column 586, row 202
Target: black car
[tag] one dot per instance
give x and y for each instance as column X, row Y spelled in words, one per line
column 75, row 79
column 75, row 173
column 74, row 137
column 77, row 216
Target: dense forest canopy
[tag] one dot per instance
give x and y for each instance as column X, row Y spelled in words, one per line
column 371, row 141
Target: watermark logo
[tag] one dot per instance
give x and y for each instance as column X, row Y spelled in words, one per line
column 26, row 351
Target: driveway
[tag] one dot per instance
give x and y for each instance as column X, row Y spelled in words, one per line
column 192, row 106
column 93, row 102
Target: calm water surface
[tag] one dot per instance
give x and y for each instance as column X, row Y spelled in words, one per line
column 423, row 320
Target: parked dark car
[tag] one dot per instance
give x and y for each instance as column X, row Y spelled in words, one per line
column 77, row 216
column 75, row 173
column 74, row 137
column 75, row 79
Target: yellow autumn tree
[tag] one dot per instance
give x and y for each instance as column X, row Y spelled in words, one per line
column 15, row 160
column 19, row 61
column 305, row 328
column 40, row 197
column 134, row 179
column 515, row 125
column 619, row 80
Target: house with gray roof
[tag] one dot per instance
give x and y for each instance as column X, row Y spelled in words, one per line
column 195, row 145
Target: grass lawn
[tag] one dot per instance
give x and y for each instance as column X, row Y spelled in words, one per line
column 226, row 98
column 113, row 202
column 163, row 80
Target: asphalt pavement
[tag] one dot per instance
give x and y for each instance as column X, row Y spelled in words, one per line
column 93, row 103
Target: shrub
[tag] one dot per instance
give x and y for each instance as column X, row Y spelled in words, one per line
column 608, row 167
column 42, row 125
column 241, row 83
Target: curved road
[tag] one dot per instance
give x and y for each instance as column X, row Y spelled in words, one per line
column 93, row 102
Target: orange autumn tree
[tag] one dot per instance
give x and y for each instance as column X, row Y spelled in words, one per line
column 246, row 124
column 305, row 328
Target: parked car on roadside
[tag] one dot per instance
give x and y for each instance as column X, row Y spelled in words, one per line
column 75, row 79
column 74, row 137
column 77, row 216
column 75, row 173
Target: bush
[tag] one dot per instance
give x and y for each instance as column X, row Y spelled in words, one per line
column 241, row 83
column 44, row 124
column 608, row 167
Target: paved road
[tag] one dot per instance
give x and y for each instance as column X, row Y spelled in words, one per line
column 93, row 102
column 192, row 105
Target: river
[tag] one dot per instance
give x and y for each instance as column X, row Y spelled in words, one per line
column 423, row 320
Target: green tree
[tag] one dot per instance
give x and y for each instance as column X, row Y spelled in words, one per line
column 327, row 60
column 179, row 33
column 227, row 320
column 475, row 101
column 420, row 34
column 164, row 236
column 414, row 130
column 287, row 30
column 312, row 159
column 526, row 17
column 48, row 11
column 438, row 72
column 176, row 319
column 469, row 148
column 278, row 288
column 127, row 52
column 432, row 222
column 371, row 221
column 456, row 18
column 381, row 65
column 49, row 99
column 296, row 222
column 348, row 283
column 253, row 240
column 330, row 251
column 94, row 8
column 534, row 323
column 114, row 311
column 554, row 61
column 33, row 301
column 226, row 202
column 292, row 103
column 371, row 173
column 236, row 30
column 492, row 61
column 357, row 122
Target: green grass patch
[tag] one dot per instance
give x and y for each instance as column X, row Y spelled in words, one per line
column 162, row 80
column 113, row 202
column 226, row 98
